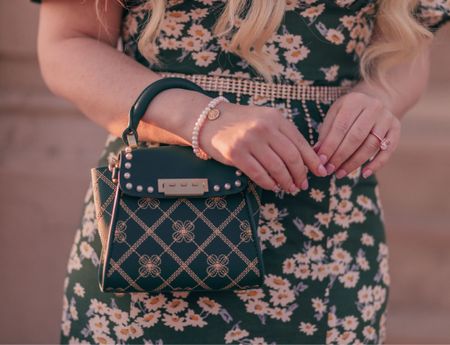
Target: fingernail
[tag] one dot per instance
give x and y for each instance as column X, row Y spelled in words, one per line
column 341, row 173
column 323, row 158
column 322, row 170
column 294, row 189
column 316, row 147
column 305, row 185
column 367, row 173
column 330, row 168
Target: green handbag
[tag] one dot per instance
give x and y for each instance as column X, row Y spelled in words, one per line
column 163, row 225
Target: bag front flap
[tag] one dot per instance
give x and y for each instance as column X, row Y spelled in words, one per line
column 174, row 171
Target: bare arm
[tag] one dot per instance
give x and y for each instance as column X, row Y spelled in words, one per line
column 80, row 63
column 408, row 81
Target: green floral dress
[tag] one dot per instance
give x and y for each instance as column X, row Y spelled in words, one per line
column 327, row 278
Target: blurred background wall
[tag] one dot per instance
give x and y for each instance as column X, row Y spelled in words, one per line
column 44, row 171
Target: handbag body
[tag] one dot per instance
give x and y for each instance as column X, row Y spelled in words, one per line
column 170, row 221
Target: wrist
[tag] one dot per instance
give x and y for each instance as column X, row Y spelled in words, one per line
column 176, row 110
column 383, row 96
column 210, row 112
column 211, row 128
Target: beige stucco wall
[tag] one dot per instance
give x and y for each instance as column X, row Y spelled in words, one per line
column 44, row 174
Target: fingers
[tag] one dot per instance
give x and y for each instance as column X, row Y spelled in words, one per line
column 393, row 135
column 368, row 149
column 275, row 167
column 309, row 156
column 355, row 138
column 342, row 122
column 291, row 157
column 250, row 166
column 325, row 126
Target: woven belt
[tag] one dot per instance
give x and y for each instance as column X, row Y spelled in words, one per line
column 248, row 87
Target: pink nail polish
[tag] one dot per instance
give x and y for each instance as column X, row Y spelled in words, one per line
column 367, row 173
column 323, row 158
column 305, row 185
column 341, row 173
column 293, row 189
column 322, row 170
column 330, row 168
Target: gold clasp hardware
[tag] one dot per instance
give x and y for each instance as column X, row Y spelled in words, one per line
column 113, row 166
column 183, row 186
column 131, row 138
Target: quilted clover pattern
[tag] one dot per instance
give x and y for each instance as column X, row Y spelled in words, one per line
column 149, row 266
column 182, row 244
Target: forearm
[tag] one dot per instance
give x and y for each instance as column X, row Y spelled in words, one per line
column 407, row 81
column 103, row 83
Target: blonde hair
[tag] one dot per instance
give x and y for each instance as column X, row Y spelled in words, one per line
column 397, row 34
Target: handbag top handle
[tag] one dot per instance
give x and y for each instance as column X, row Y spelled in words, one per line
column 137, row 111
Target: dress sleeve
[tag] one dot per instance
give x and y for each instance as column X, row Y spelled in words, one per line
column 433, row 13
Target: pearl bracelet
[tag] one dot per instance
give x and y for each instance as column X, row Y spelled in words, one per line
column 199, row 123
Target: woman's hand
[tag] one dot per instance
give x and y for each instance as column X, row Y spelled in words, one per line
column 345, row 140
column 262, row 143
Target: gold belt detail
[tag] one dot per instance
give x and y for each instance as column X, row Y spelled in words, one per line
column 248, row 87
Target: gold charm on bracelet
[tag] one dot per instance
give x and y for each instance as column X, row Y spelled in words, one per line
column 213, row 114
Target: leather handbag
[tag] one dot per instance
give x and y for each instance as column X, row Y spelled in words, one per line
column 163, row 222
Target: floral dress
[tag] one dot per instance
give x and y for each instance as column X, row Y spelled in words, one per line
column 325, row 250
